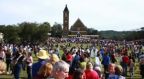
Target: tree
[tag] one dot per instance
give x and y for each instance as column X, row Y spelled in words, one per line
column 92, row 31
column 28, row 30
column 11, row 34
column 56, row 30
column 43, row 31
column 2, row 28
column 142, row 29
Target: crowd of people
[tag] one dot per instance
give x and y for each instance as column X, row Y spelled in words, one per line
column 73, row 58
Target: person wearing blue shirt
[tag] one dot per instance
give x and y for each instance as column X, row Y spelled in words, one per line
column 42, row 59
column 106, row 62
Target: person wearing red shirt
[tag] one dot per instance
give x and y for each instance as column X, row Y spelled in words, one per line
column 125, row 61
column 90, row 73
column 69, row 58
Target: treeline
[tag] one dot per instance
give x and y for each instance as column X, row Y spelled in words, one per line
column 25, row 32
column 39, row 32
column 33, row 32
column 123, row 35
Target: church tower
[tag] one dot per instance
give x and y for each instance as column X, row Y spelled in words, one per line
column 65, row 21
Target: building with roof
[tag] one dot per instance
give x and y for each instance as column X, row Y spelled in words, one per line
column 78, row 28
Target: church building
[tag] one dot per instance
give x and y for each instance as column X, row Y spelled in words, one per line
column 78, row 28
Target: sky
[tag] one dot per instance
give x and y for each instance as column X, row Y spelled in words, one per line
column 118, row 15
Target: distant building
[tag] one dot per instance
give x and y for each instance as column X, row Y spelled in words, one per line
column 78, row 28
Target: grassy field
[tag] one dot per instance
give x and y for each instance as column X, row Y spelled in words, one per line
column 23, row 74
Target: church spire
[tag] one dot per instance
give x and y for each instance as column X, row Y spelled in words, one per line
column 66, row 9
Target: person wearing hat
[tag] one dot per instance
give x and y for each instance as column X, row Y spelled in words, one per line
column 42, row 59
column 54, row 58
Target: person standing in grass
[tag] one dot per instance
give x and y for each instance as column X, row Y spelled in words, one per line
column 131, row 68
column 17, row 63
column 125, row 62
column 2, row 53
column 29, row 61
column 106, row 62
column 142, row 68
column 42, row 59
column 8, row 61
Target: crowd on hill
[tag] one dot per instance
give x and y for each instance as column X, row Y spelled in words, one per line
column 73, row 58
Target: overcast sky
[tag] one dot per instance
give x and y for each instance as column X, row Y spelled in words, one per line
column 119, row 15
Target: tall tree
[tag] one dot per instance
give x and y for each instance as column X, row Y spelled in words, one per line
column 11, row 34
column 28, row 31
column 57, row 30
column 43, row 31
